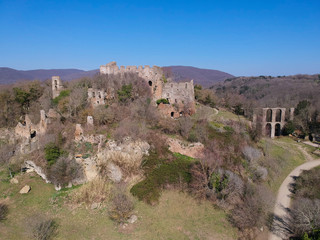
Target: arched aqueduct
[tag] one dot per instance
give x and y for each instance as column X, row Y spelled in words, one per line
column 273, row 120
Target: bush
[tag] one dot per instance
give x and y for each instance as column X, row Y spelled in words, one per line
column 124, row 94
column 162, row 100
column 64, row 171
column 122, row 206
column 3, row 211
column 44, row 229
column 253, row 210
column 159, row 173
column 52, row 153
column 95, row 191
column 63, row 94
column 288, row 128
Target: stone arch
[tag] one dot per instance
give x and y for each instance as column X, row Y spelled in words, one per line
column 277, row 129
column 268, row 129
column 172, row 114
column 278, row 115
column 269, row 115
column 150, row 83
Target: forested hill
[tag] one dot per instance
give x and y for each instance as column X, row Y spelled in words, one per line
column 265, row 91
column 204, row 77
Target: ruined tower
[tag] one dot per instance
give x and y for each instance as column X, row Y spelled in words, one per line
column 56, row 86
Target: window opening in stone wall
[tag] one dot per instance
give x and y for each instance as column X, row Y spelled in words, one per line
column 150, row 83
column 172, row 114
column 33, row 134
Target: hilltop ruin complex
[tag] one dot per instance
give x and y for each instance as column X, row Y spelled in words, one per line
column 179, row 95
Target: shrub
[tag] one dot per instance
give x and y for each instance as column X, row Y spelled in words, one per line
column 162, row 100
column 52, row 153
column 122, row 206
column 124, row 94
column 63, row 94
column 3, row 211
column 288, row 128
column 64, row 171
column 159, row 173
column 44, row 229
column 95, row 191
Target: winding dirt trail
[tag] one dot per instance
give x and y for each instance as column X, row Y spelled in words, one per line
column 283, row 197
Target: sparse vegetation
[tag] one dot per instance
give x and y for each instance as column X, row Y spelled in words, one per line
column 3, row 211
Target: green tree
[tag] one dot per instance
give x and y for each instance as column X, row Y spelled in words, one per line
column 52, row 153
column 125, row 93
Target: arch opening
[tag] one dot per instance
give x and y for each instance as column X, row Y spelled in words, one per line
column 269, row 116
column 278, row 115
column 277, row 130
column 268, row 130
column 150, row 83
column 172, row 114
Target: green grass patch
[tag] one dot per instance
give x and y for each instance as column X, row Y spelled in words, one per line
column 282, row 156
column 160, row 172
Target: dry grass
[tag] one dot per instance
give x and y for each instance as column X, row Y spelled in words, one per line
column 95, row 191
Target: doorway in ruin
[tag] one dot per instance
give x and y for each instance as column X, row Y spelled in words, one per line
column 268, row 130
column 277, row 130
column 172, row 114
column 269, row 116
column 278, row 115
column 150, row 83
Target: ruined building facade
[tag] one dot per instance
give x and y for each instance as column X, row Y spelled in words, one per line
column 179, row 95
column 272, row 120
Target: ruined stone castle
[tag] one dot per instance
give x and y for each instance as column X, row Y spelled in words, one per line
column 179, row 95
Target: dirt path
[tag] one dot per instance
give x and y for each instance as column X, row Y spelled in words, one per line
column 283, row 197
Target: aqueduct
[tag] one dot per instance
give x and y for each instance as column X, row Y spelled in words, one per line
column 273, row 120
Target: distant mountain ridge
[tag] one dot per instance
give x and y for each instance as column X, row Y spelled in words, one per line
column 204, row 77
column 10, row 75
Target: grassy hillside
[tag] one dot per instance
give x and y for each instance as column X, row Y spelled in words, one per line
column 177, row 216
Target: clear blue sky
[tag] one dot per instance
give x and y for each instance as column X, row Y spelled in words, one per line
column 275, row 37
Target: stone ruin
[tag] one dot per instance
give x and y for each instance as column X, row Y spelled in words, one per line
column 180, row 95
column 56, row 86
column 29, row 133
column 272, row 120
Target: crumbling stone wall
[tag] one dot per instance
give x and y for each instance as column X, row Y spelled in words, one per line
column 28, row 133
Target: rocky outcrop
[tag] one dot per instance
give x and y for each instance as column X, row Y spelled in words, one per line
column 194, row 150
column 30, row 165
